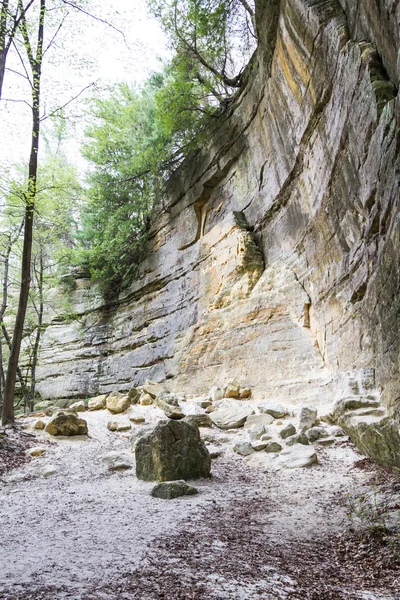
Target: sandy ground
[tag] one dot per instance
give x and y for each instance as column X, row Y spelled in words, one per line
column 252, row 533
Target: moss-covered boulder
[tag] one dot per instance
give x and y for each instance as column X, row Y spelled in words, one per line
column 172, row 451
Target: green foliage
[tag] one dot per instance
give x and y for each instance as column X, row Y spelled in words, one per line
column 212, row 38
column 141, row 136
column 138, row 139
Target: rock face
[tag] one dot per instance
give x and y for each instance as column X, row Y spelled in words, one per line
column 66, row 422
column 294, row 280
column 173, row 450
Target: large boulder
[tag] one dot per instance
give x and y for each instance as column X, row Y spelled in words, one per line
column 66, row 422
column 231, row 414
column 172, row 451
column 117, row 403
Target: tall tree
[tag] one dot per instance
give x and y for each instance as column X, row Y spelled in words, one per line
column 34, row 51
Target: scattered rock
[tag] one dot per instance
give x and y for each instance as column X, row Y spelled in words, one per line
column 119, row 425
column 66, row 422
column 298, row 457
column 40, row 425
column 216, row 393
column 275, row 410
column 136, row 418
column 256, row 432
column 214, row 451
column 117, row 403
column 172, row 489
column 245, row 393
column 231, row 415
column 264, row 419
column 210, row 409
column 199, row 420
column 145, row 400
column 287, row 431
column 153, row 389
column 49, row 471
column 134, row 395
column 307, row 417
column 166, row 398
column 273, row 447
column 203, row 402
column 78, row 406
column 97, row 403
column 173, row 450
column 243, row 448
column 315, row 433
column 298, row 438
column 259, row 445
column 117, row 461
column 335, row 431
column 232, row 390
column 37, row 451
column 171, row 411
column 325, row 441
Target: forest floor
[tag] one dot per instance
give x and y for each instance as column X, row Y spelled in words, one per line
column 252, row 532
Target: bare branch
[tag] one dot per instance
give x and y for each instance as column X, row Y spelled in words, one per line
column 54, row 112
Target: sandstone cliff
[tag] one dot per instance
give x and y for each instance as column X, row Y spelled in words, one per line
column 276, row 260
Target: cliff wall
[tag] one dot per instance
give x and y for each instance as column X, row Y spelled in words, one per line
column 276, row 261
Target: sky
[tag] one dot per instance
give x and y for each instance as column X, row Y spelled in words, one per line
column 86, row 51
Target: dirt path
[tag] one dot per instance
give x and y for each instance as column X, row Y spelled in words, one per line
column 250, row 534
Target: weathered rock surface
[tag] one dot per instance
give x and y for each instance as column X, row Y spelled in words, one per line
column 172, row 489
column 172, row 451
column 66, row 422
column 292, row 280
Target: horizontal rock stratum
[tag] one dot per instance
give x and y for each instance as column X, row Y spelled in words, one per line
column 294, row 286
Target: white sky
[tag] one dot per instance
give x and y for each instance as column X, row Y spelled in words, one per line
column 86, row 51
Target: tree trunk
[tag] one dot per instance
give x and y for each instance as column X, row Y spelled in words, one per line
column 35, row 353
column 36, row 65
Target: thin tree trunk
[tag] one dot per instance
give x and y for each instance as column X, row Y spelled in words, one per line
column 35, row 353
column 36, row 65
